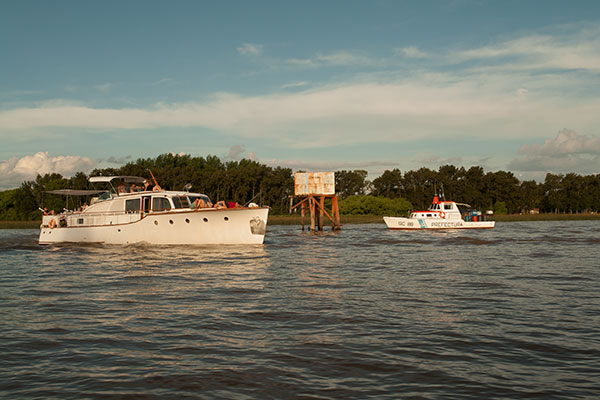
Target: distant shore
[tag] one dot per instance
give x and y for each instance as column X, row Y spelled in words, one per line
column 369, row 219
column 359, row 219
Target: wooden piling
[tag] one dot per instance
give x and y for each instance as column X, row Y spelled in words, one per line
column 317, row 219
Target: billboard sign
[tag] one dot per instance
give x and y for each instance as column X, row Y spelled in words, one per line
column 315, row 183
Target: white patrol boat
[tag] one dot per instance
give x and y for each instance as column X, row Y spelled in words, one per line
column 441, row 215
column 157, row 217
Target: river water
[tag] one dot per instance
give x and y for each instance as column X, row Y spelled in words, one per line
column 512, row 312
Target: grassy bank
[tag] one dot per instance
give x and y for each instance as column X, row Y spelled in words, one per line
column 546, row 217
column 358, row 219
column 20, row 224
column 369, row 219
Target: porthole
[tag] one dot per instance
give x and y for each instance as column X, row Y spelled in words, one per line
column 155, row 222
column 187, row 220
column 171, row 221
column 226, row 218
column 205, row 219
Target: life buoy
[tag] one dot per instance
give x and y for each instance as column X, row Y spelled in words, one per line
column 52, row 224
column 442, row 214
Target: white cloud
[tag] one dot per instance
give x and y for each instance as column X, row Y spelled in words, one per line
column 294, row 85
column 427, row 106
column 118, row 160
column 327, row 165
column 355, row 113
column 567, row 142
column 336, row 59
column 567, row 152
column 513, row 89
column 161, row 81
column 104, row 88
column 575, row 50
column 411, row 52
column 250, row 49
column 15, row 171
column 235, row 152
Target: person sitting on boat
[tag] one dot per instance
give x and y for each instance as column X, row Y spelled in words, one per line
column 121, row 187
column 147, row 186
column 200, row 203
column 134, row 188
column 220, row 204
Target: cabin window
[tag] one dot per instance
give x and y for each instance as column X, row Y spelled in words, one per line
column 447, row 206
column 429, row 215
column 132, row 205
column 160, row 204
column 177, row 202
column 181, row 202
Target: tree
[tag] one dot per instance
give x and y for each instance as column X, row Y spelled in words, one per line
column 348, row 183
column 420, row 186
column 529, row 196
column 389, row 184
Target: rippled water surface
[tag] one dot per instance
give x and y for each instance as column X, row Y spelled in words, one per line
column 512, row 312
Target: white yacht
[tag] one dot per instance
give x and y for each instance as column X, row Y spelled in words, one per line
column 442, row 215
column 157, row 217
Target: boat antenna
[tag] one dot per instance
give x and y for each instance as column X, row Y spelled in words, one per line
column 152, row 175
column 442, row 195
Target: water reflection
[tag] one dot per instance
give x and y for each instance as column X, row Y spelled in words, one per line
column 503, row 313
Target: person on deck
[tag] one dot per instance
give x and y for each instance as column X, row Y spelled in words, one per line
column 200, row 203
column 220, row 204
column 121, row 187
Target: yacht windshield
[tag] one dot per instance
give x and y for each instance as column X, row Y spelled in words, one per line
column 181, row 202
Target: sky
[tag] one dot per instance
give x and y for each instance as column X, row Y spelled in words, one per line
column 308, row 85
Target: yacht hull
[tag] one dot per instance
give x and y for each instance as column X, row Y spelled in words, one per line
column 194, row 227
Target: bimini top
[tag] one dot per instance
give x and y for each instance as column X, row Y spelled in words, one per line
column 126, row 179
column 75, row 192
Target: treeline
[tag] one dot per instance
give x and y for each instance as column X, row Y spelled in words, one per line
column 238, row 181
column 499, row 191
column 245, row 180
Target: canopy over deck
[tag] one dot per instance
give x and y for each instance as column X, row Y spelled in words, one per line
column 126, row 179
column 75, row 192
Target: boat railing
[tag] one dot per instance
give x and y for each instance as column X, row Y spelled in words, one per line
column 76, row 218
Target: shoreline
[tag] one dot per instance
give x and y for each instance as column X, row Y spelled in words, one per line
column 369, row 219
column 359, row 219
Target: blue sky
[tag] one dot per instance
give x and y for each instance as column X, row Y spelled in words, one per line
column 312, row 85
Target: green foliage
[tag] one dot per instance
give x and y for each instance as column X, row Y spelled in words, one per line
column 500, row 208
column 349, row 183
column 389, row 184
column 8, row 211
column 374, row 205
column 392, row 193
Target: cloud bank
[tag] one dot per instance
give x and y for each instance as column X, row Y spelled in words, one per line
column 15, row 171
column 519, row 88
column 567, row 152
